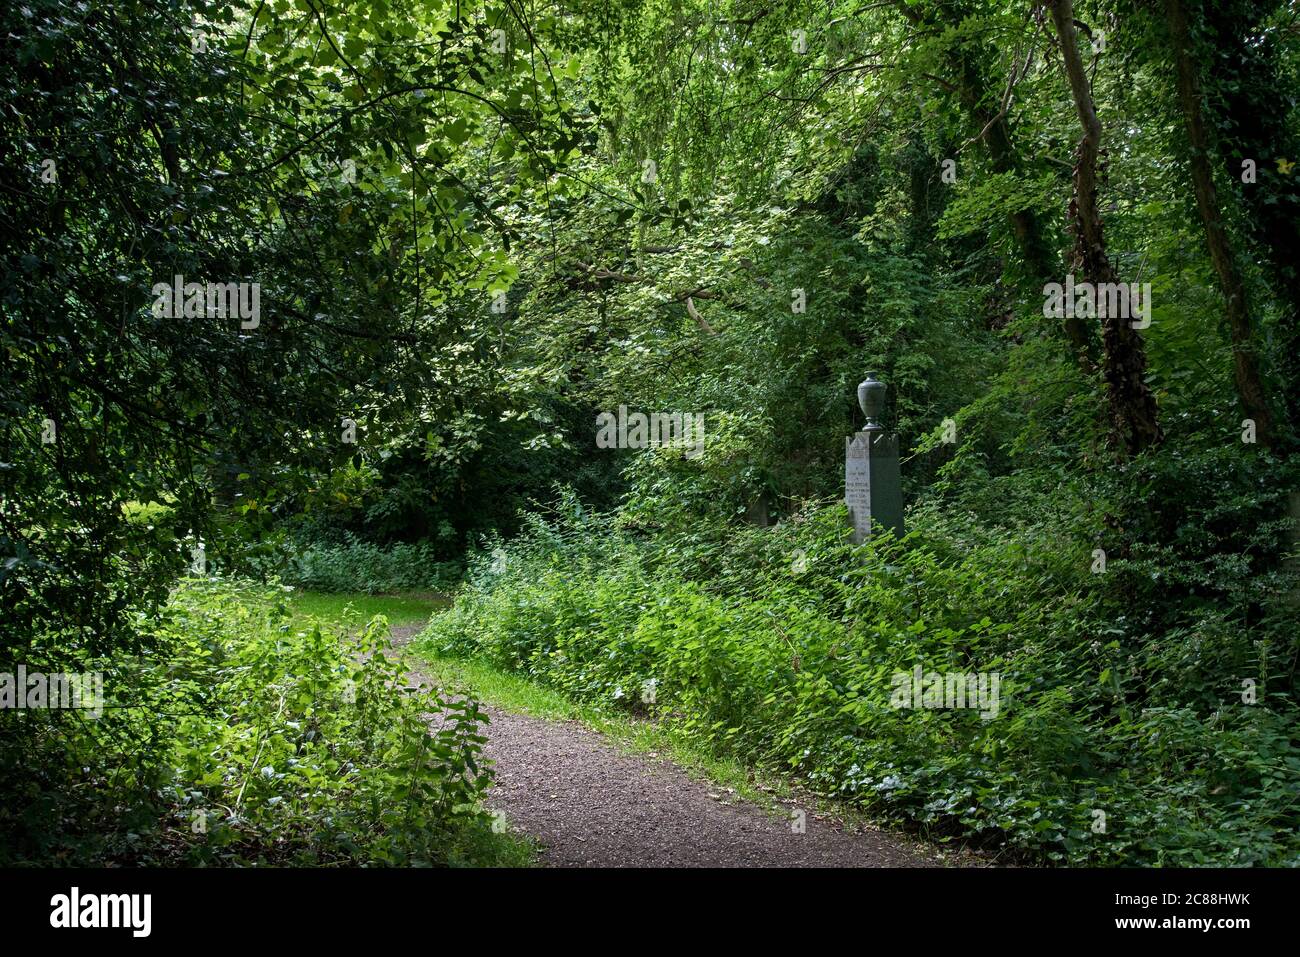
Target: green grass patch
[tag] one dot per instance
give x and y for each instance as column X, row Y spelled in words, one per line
column 352, row 608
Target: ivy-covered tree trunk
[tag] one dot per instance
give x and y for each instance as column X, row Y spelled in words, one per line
column 1133, row 408
column 1247, row 74
column 1245, row 365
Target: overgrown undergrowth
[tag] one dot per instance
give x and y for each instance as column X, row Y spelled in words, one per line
column 364, row 566
column 246, row 735
column 780, row 646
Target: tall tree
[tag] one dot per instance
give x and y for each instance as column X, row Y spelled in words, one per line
column 987, row 117
column 1245, row 362
column 1132, row 404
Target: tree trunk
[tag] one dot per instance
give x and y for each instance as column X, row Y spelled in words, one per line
column 970, row 86
column 1132, row 405
column 1245, row 367
column 1247, row 75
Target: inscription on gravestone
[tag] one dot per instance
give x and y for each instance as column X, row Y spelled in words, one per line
column 872, row 485
column 857, row 484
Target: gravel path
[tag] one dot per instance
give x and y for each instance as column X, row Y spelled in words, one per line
column 590, row 805
column 587, row 803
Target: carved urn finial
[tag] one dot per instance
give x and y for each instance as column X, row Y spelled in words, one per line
column 871, row 396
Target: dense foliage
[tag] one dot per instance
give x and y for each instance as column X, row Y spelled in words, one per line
column 780, row 646
column 259, row 738
column 362, row 566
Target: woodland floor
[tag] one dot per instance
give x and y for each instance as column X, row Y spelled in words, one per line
column 585, row 802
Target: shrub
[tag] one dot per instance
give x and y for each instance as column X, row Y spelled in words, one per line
column 249, row 738
column 361, row 566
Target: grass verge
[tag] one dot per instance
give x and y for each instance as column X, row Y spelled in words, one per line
column 402, row 609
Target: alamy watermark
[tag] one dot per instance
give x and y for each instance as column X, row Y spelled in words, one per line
column 657, row 430
column 1118, row 300
column 37, row 690
column 948, row 689
column 75, row 909
column 215, row 300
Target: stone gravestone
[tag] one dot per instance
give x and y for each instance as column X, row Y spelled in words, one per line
column 872, row 485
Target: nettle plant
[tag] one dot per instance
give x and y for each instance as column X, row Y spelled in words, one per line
column 313, row 746
column 250, row 736
column 782, row 646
